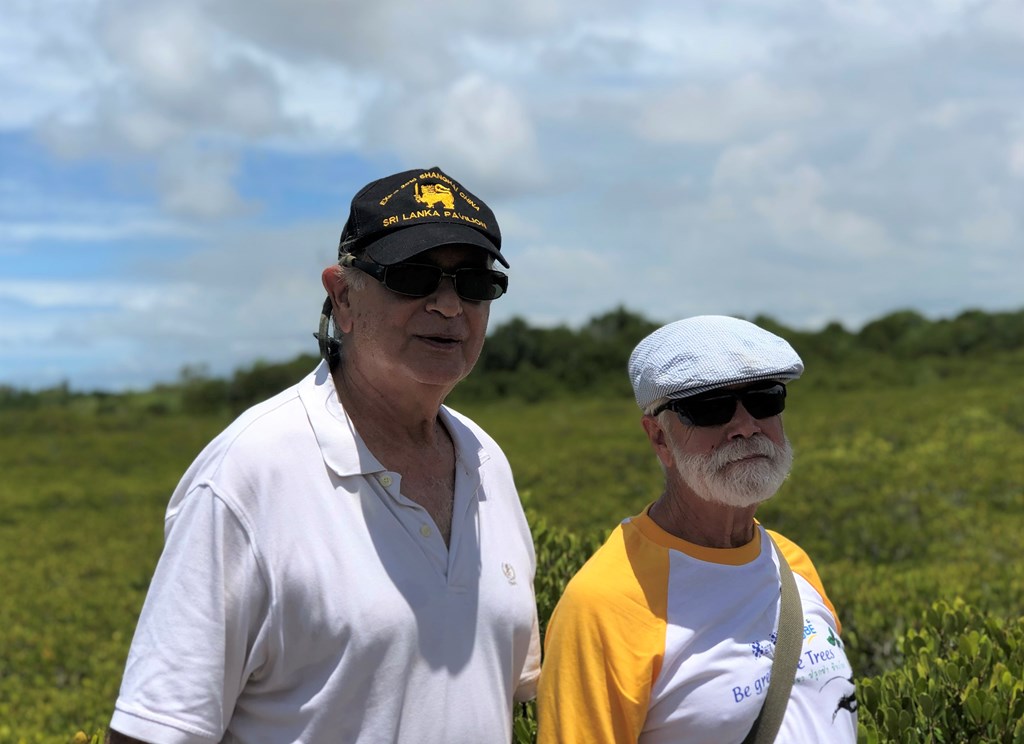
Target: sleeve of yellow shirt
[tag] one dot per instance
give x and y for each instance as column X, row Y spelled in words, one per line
column 801, row 564
column 604, row 645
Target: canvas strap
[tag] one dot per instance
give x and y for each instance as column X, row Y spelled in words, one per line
column 788, row 642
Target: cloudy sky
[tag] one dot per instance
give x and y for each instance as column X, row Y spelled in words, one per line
column 174, row 175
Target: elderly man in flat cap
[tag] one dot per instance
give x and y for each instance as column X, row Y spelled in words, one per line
column 349, row 561
column 693, row 623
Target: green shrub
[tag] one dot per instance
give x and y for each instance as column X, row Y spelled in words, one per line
column 962, row 681
column 907, row 492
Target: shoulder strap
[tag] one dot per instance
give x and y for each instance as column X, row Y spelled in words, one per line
column 788, row 642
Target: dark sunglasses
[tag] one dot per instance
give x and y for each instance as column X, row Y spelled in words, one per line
column 420, row 280
column 717, row 407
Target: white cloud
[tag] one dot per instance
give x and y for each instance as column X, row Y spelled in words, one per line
column 902, row 21
column 326, row 102
column 176, row 66
column 180, row 84
column 199, row 184
column 745, row 166
column 165, row 48
column 799, row 215
column 47, row 59
column 81, row 294
column 476, row 127
column 13, row 233
column 949, row 114
column 33, row 218
column 554, row 283
column 992, row 226
column 1002, row 18
column 766, row 184
column 1017, row 158
column 719, row 113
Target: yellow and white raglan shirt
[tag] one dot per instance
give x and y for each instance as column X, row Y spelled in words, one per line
column 657, row 640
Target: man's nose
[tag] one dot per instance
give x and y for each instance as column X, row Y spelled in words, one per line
column 742, row 424
column 445, row 299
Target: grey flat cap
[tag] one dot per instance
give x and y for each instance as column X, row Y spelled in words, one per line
column 694, row 355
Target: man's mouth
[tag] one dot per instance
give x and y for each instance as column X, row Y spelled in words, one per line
column 747, row 457
column 751, row 456
column 442, row 340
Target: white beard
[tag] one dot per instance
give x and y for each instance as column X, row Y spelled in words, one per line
column 722, row 479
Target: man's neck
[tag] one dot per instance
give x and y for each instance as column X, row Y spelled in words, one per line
column 408, row 439
column 398, row 417
column 702, row 522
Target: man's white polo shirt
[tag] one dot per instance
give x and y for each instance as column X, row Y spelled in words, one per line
column 301, row 597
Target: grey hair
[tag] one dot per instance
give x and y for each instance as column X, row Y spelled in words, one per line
column 353, row 277
column 663, row 421
column 655, row 405
column 330, row 337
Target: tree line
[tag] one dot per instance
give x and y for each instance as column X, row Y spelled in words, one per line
column 532, row 364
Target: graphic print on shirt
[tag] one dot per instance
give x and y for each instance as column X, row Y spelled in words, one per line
column 510, row 572
column 826, row 664
column 815, row 663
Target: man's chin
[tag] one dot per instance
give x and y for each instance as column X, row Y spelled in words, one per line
column 756, row 482
column 742, row 483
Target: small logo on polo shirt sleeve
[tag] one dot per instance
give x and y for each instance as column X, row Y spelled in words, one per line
column 510, row 573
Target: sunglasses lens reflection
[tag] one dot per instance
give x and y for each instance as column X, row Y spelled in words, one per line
column 419, row 280
column 409, row 279
column 480, row 284
column 719, row 409
column 764, row 403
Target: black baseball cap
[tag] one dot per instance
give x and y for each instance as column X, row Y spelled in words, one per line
column 396, row 217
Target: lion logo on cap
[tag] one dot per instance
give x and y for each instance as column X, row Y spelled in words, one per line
column 430, row 194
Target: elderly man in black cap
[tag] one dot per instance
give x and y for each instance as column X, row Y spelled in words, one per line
column 349, row 561
column 692, row 622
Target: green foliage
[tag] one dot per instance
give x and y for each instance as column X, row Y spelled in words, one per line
column 560, row 553
column 81, row 524
column 248, row 386
column 907, row 491
column 907, row 335
column 582, row 463
column 538, row 364
column 962, row 680
column 535, row 364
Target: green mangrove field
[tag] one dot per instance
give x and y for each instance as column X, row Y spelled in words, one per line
column 907, row 491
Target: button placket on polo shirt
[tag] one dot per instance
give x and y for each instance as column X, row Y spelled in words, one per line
column 417, row 523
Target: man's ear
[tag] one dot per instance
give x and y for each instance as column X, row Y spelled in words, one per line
column 338, row 290
column 658, row 438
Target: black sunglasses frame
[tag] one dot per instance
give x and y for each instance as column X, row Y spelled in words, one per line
column 711, row 409
column 380, row 272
